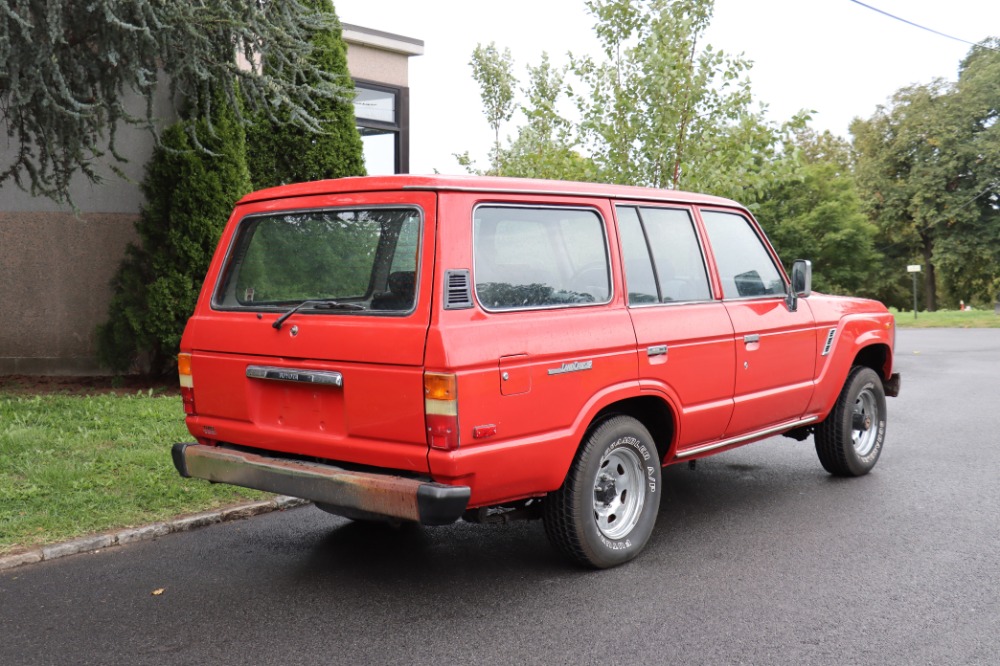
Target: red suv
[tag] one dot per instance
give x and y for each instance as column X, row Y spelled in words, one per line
column 429, row 348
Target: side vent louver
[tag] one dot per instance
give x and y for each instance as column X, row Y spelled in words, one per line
column 457, row 290
column 829, row 341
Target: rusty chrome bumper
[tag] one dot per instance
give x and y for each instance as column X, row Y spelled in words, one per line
column 380, row 494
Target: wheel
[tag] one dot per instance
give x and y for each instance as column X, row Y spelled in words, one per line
column 605, row 510
column 850, row 440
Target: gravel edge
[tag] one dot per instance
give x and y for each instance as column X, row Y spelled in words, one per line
column 147, row 532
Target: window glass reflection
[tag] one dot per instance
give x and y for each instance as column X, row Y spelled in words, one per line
column 378, row 105
column 380, row 151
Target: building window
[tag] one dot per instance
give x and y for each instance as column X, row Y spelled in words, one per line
column 383, row 118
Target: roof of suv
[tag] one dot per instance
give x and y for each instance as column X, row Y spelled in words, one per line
column 481, row 184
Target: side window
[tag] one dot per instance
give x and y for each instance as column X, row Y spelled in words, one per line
column 641, row 283
column 745, row 266
column 663, row 260
column 679, row 264
column 539, row 257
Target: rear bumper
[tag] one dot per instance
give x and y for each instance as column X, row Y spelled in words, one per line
column 380, row 494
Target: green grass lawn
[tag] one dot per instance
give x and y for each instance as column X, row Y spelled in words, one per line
column 72, row 465
column 948, row 319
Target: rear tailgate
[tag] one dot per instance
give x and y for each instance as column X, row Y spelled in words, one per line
column 343, row 383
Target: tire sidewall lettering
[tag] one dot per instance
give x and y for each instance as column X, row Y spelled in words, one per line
column 651, row 484
column 873, row 455
column 639, row 447
column 877, row 448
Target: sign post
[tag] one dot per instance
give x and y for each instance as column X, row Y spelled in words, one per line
column 914, row 269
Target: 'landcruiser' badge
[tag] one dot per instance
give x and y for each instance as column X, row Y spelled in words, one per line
column 575, row 366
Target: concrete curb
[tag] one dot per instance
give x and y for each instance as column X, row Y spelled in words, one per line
column 132, row 535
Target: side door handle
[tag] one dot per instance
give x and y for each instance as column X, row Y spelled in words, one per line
column 656, row 350
column 751, row 339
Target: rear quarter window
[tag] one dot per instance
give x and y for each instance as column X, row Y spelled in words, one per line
column 540, row 257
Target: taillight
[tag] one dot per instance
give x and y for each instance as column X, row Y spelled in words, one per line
column 186, row 382
column 441, row 410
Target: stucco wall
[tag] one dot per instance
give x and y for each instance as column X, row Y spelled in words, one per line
column 56, row 265
column 55, row 269
column 373, row 64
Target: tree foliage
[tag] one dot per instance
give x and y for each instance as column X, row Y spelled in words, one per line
column 817, row 215
column 493, row 70
column 663, row 109
column 659, row 108
column 190, row 194
column 545, row 146
column 67, row 68
column 280, row 151
column 928, row 165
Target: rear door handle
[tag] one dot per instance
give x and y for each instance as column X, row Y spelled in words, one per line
column 656, row 350
column 751, row 339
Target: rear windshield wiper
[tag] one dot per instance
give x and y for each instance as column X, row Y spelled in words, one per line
column 326, row 304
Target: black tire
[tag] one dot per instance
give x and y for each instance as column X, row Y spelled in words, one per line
column 604, row 512
column 849, row 441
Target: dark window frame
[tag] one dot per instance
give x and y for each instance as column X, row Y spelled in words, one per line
column 400, row 128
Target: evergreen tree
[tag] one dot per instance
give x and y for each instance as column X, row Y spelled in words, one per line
column 281, row 152
column 68, row 68
column 189, row 196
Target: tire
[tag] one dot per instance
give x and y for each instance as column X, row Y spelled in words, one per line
column 849, row 441
column 604, row 512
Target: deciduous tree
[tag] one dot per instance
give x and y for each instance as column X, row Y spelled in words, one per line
column 816, row 214
column 493, row 70
column 928, row 165
column 659, row 108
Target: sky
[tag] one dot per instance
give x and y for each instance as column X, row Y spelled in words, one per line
column 834, row 57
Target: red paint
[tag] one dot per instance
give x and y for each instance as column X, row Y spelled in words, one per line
column 529, row 383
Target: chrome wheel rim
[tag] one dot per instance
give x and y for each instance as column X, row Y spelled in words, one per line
column 618, row 493
column 864, row 423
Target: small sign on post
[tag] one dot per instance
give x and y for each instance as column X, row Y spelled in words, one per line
column 914, row 269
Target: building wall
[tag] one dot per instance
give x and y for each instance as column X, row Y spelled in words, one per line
column 379, row 56
column 366, row 62
column 56, row 264
column 56, row 269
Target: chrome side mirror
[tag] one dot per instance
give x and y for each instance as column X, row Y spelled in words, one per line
column 802, row 278
column 801, row 286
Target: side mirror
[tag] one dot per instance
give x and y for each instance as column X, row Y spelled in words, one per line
column 801, row 286
column 802, row 277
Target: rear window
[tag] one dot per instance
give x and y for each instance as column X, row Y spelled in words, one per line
column 350, row 261
column 540, row 257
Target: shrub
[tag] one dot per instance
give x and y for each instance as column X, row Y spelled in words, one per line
column 194, row 178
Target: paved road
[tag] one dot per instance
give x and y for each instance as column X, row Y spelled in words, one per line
column 758, row 558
